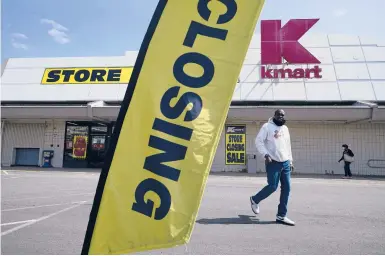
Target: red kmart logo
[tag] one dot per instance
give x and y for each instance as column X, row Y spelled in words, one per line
column 279, row 43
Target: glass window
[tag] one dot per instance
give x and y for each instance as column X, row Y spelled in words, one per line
column 98, row 142
column 99, row 129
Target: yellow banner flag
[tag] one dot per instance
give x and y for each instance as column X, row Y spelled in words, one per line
column 169, row 125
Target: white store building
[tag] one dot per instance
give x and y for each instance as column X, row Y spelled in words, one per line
column 346, row 105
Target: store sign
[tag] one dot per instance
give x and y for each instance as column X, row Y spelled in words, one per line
column 282, row 42
column 235, row 145
column 93, row 75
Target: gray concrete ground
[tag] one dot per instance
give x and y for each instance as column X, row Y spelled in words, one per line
column 46, row 212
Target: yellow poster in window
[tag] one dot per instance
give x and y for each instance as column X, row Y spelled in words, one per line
column 79, row 148
column 235, row 144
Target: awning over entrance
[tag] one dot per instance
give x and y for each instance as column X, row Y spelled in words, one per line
column 86, row 112
column 100, row 111
column 43, row 112
column 345, row 114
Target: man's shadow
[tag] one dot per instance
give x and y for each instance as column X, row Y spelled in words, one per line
column 243, row 219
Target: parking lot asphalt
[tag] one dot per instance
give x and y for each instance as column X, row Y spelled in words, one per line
column 46, row 212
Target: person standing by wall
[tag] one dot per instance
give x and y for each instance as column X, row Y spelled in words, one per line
column 273, row 143
column 348, row 157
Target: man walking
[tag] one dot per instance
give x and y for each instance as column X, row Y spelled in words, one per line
column 348, row 157
column 273, row 143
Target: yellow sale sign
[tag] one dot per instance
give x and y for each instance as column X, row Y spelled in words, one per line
column 169, row 125
column 235, row 140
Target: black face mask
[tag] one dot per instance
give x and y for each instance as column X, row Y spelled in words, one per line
column 279, row 123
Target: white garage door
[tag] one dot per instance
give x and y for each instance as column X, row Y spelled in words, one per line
column 20, row 136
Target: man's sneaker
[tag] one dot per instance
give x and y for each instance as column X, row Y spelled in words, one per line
column 285, row 220
column 254, row 206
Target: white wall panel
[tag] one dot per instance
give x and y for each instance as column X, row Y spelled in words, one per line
column 374, row 53
column 376, row 70
column 257, row 91
column 16, row 135
column 255, row 41
column 352, row 90
column 73, row 92
column 289, row 91
column 341, row 40
column 367, row 40
column 237, row 92
column 317, row 148
column 381, row 43
column 122, row 91
column 328, row 74
column 323, row 54
column 367, row 142
column 25, row 76
column 77, row 92
column 347, row 54
column 322, row 91
column 253, row 56
column 314, row 40
column 249, row 74
column 352, row 71
column 379, row 88
column 102, row 92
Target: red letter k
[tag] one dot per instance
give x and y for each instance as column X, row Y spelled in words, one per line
column 277, row 42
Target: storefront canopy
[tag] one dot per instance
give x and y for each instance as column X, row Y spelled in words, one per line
column 101, row 111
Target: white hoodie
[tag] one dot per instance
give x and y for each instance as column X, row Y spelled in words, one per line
column 275, row 141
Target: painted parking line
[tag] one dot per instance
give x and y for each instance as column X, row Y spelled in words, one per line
column 75, row 176
column 5, row 172
column 17, row 222
column 31, row 222
column 38, row 206
column 44, row 197
column 10, row 177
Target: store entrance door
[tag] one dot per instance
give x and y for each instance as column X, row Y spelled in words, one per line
column 86, row 144
column 97, row 146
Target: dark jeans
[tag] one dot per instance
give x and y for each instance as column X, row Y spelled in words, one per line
column 276, row 172
column 347, row 169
